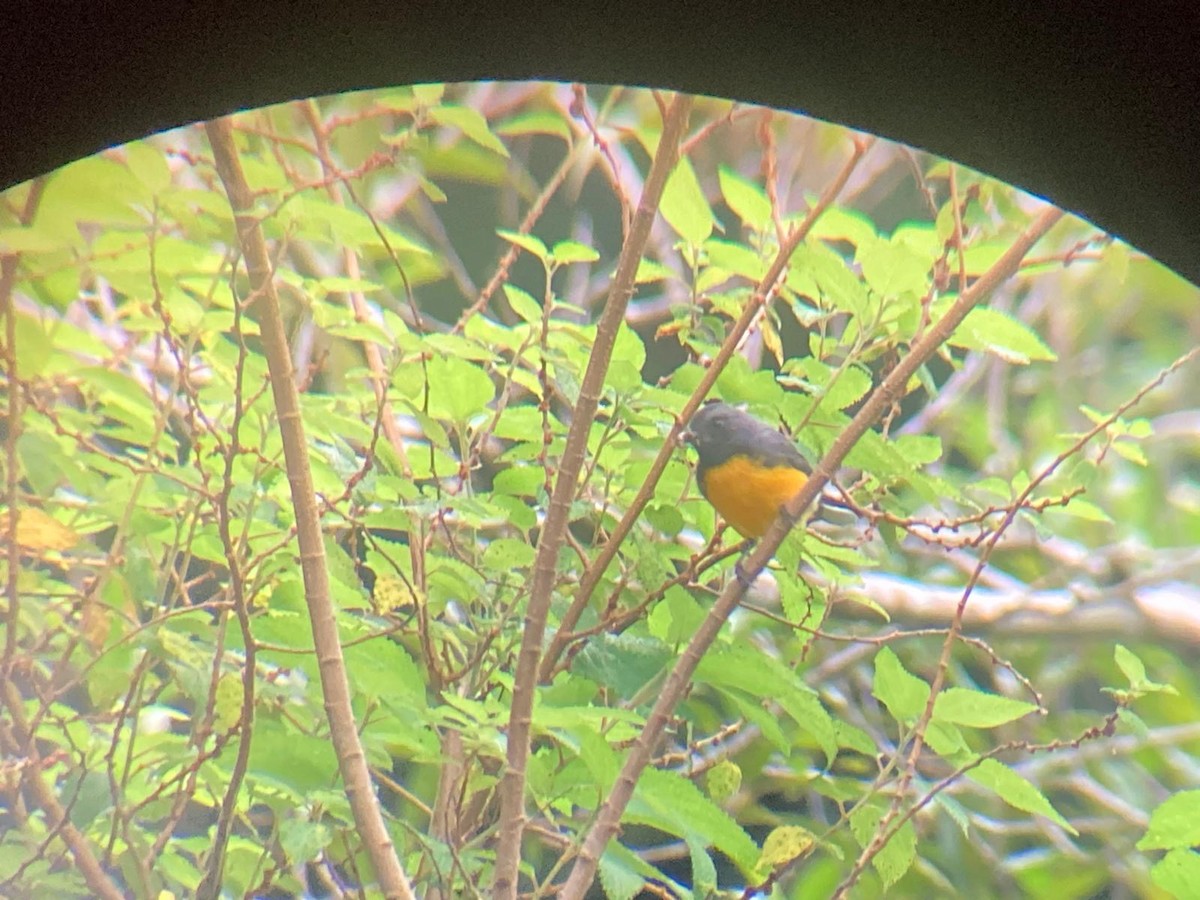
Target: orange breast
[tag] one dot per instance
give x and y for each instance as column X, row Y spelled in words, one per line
column 747, row 495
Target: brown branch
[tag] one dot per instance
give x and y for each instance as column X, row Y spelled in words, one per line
column 343, row 731
column 892, row 388
column 512, row 788
column 762, row 293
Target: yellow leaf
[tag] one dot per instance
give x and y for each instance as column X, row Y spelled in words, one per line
column 785, row 843
column 38, row 530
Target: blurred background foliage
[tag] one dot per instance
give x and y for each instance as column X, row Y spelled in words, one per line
column 452, row 247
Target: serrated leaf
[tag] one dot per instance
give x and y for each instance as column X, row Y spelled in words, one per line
column 904, row 694
column 1174, row 824
column 669, row 801
column 506, row 554
column 897, row 855
column 683, row 205
column 992, row 331
column 977, row 709
column 1017, row 791
column 624, row 662
column 764, row 677
column 893, row 268
column 617, row 878
column 819, row 272
column 1178, row 873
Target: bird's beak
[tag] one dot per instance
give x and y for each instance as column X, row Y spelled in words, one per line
column 687, row 436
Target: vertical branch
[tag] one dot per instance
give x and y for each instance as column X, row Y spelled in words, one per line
column 892, row 387
column 512, row 788
column 210, row 886
column 336, row 691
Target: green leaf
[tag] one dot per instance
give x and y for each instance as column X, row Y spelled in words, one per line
column 95, row 189
column 977, row 709
column 31, row 241
column 892, row 268
column 1178, row 873
column 618, row 875
column 303, row 840
column 536, row 121
column 565, row 252
column 904, row 695
column 528, row 242
column 458, row 389
column 998, row 333
column 428, row 94
column 1134, row 669
column 745, row 197
column 506, row 554
column 766, row 678
column 840, row 224
column 1086, row 510
column 149, row 164
column 1016, row 791
column 818, row 272
column 723, row 780
column 649, row 270
column 918, row 449
column 704, row 873
column 471, row 123
column 523, row 304
column 1174, row 824
column 676, row 618
column 669, row 801
column 289, row 759
column 624, row 662
column 898, row 853
column 734, row 258
column 684, row 207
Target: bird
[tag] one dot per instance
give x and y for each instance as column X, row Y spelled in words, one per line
column 747, row 470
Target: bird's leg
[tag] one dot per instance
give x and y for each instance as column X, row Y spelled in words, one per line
column 738, row 571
